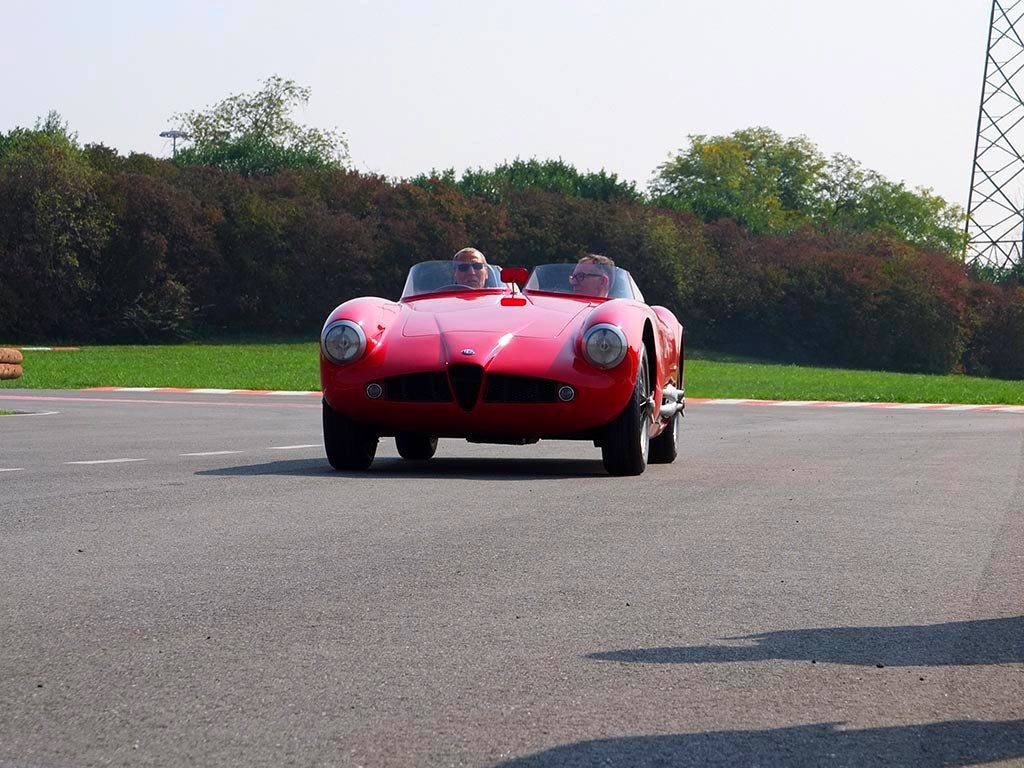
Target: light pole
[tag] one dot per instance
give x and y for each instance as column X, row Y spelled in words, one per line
column 174, row 136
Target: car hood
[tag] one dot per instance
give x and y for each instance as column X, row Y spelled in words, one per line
column 539, row 318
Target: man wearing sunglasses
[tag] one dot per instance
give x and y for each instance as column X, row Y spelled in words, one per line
column 470, row 268
column 592, row 275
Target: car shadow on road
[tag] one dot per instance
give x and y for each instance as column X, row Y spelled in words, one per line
column 455, row 468
column 932, row 745
column 983, row 641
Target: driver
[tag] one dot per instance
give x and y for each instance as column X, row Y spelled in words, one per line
column 470, row 268
column 592, row 275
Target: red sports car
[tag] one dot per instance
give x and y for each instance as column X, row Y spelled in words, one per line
column 500, row 365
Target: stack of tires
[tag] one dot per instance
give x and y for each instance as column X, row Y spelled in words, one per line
column 10, row 363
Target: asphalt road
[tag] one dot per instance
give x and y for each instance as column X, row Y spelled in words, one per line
column 803, row 587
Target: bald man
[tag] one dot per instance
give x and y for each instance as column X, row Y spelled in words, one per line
column 470, row 268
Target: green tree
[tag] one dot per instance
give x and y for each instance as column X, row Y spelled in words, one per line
column 755, row 176
column 254, row 133
column 554, row 176
column 774, row 185
column 53, row 229
column 859, row 200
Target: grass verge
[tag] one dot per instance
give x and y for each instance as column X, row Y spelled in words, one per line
column 223, row 366
column 768, row 381
column 293, row 366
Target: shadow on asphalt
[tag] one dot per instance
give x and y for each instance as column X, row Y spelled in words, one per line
column 934, row 745
column 985, row 641
column 456, row 468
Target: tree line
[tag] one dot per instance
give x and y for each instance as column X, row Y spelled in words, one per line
column 807, row 259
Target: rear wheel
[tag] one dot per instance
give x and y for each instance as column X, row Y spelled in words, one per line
column 415, row 447
column 349, row 445
column 664, row 447
column 626, row 441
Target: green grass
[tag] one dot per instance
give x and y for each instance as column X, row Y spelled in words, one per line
column 228, row 366
column 769, row 381
column 293, row 366
column 6, row 413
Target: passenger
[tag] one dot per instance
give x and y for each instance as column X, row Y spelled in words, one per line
column 593, row 275
column 470, row 268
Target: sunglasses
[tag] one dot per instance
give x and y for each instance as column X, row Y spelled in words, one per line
column 581, row 275
column 466, row 266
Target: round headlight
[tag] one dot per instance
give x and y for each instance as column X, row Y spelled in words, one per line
column 604, row 345
column 343, row 341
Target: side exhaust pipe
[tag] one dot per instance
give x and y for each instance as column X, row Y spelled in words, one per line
column 672, row 402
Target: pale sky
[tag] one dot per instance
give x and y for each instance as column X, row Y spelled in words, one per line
column 894, row 84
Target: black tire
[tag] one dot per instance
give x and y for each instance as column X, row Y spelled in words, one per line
column 626, row 441
column 349, row 445
column 664, row 447
column 415, row 447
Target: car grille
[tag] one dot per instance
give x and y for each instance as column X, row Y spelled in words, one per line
column 505, row 388
column 466, row 380
column 429, row 387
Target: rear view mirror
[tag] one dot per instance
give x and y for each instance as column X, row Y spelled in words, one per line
column 515, row 275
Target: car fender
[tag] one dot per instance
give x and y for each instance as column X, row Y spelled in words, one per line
column 373, row 314
column 666, row 336
column 629, row 316
column 376, row 316
column 673, row 336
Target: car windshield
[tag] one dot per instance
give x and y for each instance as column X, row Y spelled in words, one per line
column 588, row 281
column 442, row 276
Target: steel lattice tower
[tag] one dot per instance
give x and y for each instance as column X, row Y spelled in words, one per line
column 995, row 206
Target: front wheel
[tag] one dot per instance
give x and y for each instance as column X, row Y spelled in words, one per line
column 627, row 440
column 349, row 445
column 414, row 447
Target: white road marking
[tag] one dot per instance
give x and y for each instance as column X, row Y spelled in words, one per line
column 292, row 447
column 41, row 413
column 13, row 469
column 104, row 461
column 210, row 453
column 796, row 403
column 209, row 391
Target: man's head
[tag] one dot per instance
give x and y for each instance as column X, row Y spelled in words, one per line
column 593, row 275
column 470, row 268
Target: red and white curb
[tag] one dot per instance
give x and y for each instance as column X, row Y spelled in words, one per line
column 689, row 400
column 872, row 406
